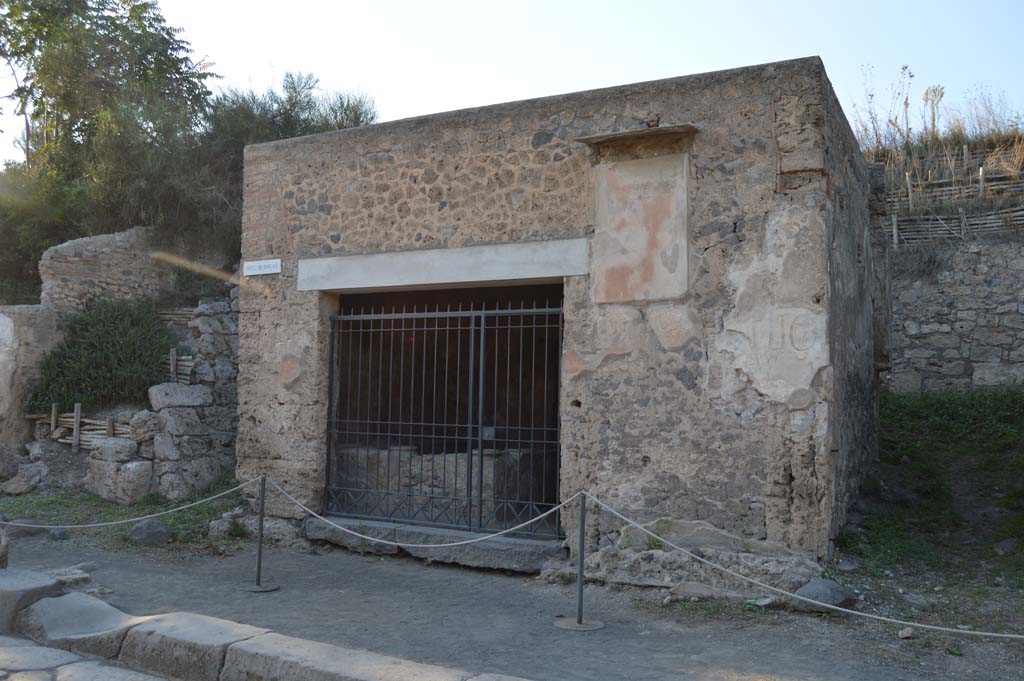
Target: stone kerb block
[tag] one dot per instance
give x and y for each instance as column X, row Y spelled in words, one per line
column 273, row 657
column 21, row 588
column 167, row 395
column 183, row 645
column 77, row 622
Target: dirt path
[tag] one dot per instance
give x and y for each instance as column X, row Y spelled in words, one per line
column 488, row 622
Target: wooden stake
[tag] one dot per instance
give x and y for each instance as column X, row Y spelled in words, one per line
column 53, row 417
column 76, row 432
column 174, row 365
column 110, row 426
column 895, row 234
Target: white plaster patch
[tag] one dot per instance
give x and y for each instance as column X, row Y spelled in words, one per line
column 779, row 348
column 640, row 238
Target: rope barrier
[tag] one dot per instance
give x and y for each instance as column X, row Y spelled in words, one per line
column 422, row 546
column 111, row 523
column 783, row 592
column 582, row 493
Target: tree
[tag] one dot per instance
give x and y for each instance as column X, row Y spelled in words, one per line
column 122, row 130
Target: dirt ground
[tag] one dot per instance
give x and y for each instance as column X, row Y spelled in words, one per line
column 492, row 622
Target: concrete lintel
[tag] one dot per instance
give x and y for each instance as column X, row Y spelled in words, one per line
column 534, row 261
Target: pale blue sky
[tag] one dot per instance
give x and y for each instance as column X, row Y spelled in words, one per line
column 422, row 57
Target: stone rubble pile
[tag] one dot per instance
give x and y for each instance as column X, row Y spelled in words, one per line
column 181, row 444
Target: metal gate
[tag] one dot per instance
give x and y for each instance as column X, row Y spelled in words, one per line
column 446, row 417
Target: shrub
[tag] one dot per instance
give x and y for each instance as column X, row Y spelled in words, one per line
column 111, row 353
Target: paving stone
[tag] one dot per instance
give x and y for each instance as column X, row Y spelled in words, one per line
column 183, row 645
column 31, row 657
column 274, row 657
column 100, row 671
column 31, row 676
column 21, row 588
column 77, row 622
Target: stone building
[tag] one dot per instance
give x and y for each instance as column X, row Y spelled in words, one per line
column 664, row 293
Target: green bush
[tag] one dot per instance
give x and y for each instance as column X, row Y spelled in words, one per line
column 111, row 353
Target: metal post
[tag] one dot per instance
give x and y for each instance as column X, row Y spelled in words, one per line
column 260, row 587
column 579, row 624
column 582, row 551
column 259, row 532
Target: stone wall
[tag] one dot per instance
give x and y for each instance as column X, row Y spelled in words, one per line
column 697, row 378
column 958, row 316
column 186, row 440
column 27, row 332
column 179, row 445
column 114, row 266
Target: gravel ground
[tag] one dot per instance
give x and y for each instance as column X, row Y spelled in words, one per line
column 492, row 622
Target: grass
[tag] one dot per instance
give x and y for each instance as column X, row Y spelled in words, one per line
column 945, row 457
column 60, row 507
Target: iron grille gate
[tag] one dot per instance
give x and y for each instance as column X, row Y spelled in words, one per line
column 446, row 417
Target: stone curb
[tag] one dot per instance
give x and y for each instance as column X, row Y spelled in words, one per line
column 196, row 647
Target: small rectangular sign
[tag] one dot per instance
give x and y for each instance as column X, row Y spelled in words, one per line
column 257, row 267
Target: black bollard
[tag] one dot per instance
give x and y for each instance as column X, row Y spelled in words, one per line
column 579, row 624
column 260, row 587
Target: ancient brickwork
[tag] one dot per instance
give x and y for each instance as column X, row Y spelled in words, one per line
column 113, row 266
column 697, row 371
column 958, row 316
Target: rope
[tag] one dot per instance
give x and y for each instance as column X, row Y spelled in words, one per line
column 421, row 546
column 782, row 592
column 130, row 520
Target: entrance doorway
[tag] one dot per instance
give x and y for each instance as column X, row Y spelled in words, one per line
column 444, row 407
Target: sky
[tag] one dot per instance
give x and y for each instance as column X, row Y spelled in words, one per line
column 424, row 57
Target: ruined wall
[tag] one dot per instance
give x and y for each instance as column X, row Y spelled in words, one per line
column 27, row 332
column 958, row 316
column 856, row 271
column 108, row 265
column 703, row 400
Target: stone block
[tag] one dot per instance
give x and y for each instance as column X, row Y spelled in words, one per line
column 100, row 671
column 173, row 487
column 28, row 657
column 116, row 449
column 318, row 530
column 181, row 421
column 501, row 553
column 19, row 589
column 164, row 448
column 274, row 657
column 183, row 645
column 145, row 425
column 988, row 374
column 77, row 622
column 124, row 483
column 25, row 480
column 168, row 395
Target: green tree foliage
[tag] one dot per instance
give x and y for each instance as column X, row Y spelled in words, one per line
column 111, row 353
column 237, row 118
column 123, row 130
